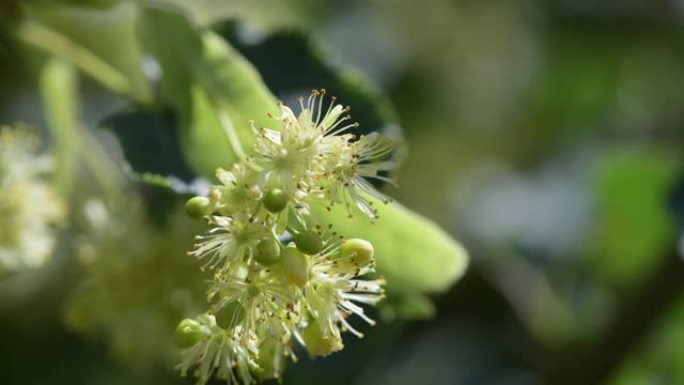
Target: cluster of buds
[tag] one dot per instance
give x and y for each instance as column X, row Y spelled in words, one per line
column 279, row 275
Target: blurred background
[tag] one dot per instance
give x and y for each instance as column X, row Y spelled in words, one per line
column 546, row 136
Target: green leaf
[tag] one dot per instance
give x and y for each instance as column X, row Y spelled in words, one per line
column 633, row 224
column 264, row 15
column 412, row 252
column 140, row 131
column 86, row 36
column 660, row 357
column 405, row 305
column 292, row 63
column 213, row 88
column 574, row 89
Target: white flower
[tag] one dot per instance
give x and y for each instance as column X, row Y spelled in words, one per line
column 351, row 164
column 239, row 192
column 256, row 302
column 29, row 207
column 19, row 159
column 292, row 155
column 336, row 287
column 221, row 353
column 258, row 296
column 229, row 239
column 286, row 155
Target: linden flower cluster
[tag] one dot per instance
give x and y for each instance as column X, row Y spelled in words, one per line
column 279, row 275
column 29, row 207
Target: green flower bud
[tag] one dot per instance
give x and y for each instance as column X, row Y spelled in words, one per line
column 357, row 251
column 198, row 207
column 267, row 252
column 317, row 344
column 308, row 242
column 275, row 200
column 293, row 266
column 188, row 332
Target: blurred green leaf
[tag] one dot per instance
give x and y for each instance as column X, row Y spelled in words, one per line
column 140, row 131
column 265, row 14
column 292, row 63
column 633, row 225
column 575, row 90
column 212, row 87
column 661, row 358
column 404, row 305
column 101, row 42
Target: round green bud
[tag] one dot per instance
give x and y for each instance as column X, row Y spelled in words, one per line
column 198, row 207
column 275, row 200
column 318, row 344
column 293, row 266
column 188, row 333
column 229, row 313
column 357, row 251
column 308, row 242
column 267, row 252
